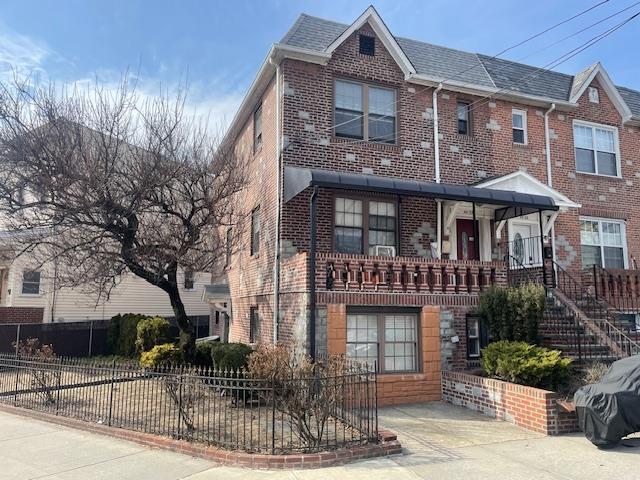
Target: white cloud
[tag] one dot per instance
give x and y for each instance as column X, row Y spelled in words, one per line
column 21, row 55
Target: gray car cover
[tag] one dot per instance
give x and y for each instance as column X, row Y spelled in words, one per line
column 610, row 410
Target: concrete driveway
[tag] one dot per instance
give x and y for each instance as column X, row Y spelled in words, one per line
column 441, row 441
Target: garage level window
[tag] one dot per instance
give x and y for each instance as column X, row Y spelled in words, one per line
column 477, row 336
column 603, row 243
column 365, row 112
column 360, row 224
column 386, row 340
column 519, row 126
column 596, row 148
column 255, row 231
column 31, row 282
column 464, row 115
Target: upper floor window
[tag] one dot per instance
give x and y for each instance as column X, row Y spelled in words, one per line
column 603, row 242
column 519, row 126
column 359, row 223
column 30, row 282
column 596, row 149
column 365, row 112
column 254, row 324
column 255, row 231
column 257, row 128
column 229, row 247
column 367, row 45
column 464, row 116
column 189, row 279
column 594, row 95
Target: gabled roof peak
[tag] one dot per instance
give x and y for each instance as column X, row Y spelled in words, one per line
column 583, row 79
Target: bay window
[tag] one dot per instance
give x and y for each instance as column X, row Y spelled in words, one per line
column 388, row 340
column 365, row 112
column 596, row 149
column 603, row 243
column 361, row 223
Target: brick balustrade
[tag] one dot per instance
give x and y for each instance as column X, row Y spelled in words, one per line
column 531, row 408
column 344, row 272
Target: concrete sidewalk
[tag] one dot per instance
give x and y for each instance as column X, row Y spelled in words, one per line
column 441, row 441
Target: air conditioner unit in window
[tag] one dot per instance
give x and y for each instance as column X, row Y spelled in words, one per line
column 384, row 251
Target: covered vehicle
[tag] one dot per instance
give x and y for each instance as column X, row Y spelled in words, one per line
column 610, row 409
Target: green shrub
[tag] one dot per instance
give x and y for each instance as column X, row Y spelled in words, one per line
column 526, row 364
column 151, row 331
column 203, row 354
column 230, row 356
column 167, row 353
column 122, row 334
column 512, row 313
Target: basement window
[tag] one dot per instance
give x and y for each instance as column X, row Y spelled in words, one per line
column 367, row 45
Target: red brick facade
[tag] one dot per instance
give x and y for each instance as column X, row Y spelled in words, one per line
column 307, row 119
column 21, row 314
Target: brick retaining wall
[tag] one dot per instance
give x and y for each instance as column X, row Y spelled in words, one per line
column 531, row 408
column 21, row 314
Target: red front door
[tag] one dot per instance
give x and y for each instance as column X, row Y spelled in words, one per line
column 466, row 240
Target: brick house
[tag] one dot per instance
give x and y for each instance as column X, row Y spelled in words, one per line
column 389, row 179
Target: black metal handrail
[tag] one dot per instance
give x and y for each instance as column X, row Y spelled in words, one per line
column 599, row 318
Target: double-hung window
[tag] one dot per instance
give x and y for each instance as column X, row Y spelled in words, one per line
column 596, row 149
column 362, row 225
column 30, row 282
column 603, row 242
column 388, row 340
column 365, row 112
column 255, row 231
column 519, row 126
column 189, row 279
column 463, row 113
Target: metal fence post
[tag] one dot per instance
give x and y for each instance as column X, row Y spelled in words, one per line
column 113, row 378
column 273, row 415
column 58, row 389
column 90, row 336
column 180, row 402
column 17, row 339
column 15, row 391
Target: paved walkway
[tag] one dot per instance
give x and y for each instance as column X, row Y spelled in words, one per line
column 441, row 442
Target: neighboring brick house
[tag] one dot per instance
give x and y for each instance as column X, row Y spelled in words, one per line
column 349, row 181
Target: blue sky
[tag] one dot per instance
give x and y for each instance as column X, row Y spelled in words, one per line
column 219, row 45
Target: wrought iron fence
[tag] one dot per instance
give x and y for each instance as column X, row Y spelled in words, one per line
column 324, row 411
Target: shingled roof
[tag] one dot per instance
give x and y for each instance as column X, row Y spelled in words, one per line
column 316, row 34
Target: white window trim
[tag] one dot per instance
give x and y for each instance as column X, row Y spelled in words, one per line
column 519, row 111
column 623, row 232
column 594, row 94
column 32, row 295
column 616, row 141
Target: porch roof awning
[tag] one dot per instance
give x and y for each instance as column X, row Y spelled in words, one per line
column 297, row 179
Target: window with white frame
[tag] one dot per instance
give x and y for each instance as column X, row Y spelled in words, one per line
column 30, row 282
column 594, row 95
column 519, row 126
column 596, row 149
column 603, row 242
column 389, row 340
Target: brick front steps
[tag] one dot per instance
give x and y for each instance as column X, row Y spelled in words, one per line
column 388, row 445
column 531, row 408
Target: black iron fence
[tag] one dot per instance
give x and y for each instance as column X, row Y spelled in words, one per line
column 327, row 409
column 77, row 339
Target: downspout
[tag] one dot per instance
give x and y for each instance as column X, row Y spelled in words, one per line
column 436, row 156
column 547, row 142
column 313, row 205
column 276, row 267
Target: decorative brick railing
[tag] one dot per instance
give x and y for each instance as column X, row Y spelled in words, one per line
column 619, row 287
column 364, row 273
column 528, row 407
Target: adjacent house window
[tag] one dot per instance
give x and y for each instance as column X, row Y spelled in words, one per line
column 477, row 336
column 229, row 247
column 254, row 324
column 519, row 126
column 30, row 282
column 603, row 243
column 359, row 223
column 365, row 112
column 257, row 128
column 463, row 113
column 596, row 149
column 594, row 95
column 367, row 45
column 255, row 231
column 189, row 279
column 387, row 340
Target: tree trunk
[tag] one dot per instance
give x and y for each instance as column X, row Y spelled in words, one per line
column 187, row 341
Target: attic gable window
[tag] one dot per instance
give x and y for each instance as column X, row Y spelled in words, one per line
column 367, row 45
column 594, row 96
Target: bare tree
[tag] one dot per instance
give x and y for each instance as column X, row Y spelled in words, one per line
column 107, row 181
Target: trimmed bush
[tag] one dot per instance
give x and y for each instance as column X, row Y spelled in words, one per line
column 167, row 353
column 151, row 331
column 122, row 334
column 526, row 364
column 512, row 313
column 203, row 354
column 230, row 356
